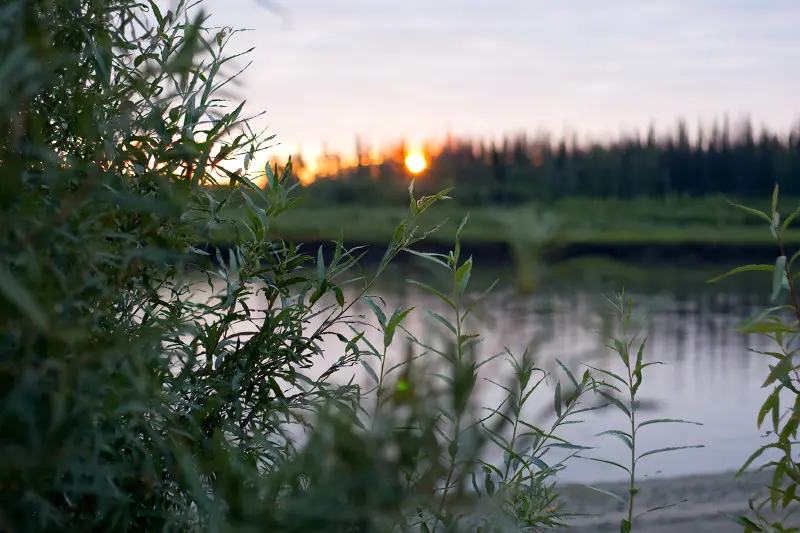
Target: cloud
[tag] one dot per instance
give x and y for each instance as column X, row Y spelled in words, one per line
column 512, row 65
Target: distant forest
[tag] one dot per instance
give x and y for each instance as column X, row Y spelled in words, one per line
column 724, row 160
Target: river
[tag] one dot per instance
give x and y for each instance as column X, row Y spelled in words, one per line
column 709, row 374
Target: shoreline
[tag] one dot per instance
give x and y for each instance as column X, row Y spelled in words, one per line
column 709, row 497
column 653, row 229
column 501, row 252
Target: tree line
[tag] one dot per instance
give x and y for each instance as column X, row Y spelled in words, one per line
column 723, row 160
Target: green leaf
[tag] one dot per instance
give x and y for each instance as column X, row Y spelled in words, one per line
column 317, row 294
column 442, row 320
column 557, row 400
column 746, row 268
column 793, row 473
column 462, row 276
column 270, row 176
column 377, row 311
column 755, row 455
column 661, row 508
column 770, row 404
column 766, row 328
column 783, row 368
column 461, row 226
column 369, row 370
column 339, row 296
column 399, row 232
column 775, row 200
column 621, row 435
column 622, row 350
column 156, row 12
column 777, row 480
column 607, row 493
column 754, row 212
column 776, row 223
column 669, row 449
column 616, row 402
column 759, row 316
column 320, row 265
column 568, row 373
column 625, row 526
column 777, row 276
column 790, row 219
column 666, row 421
column 566, row 445
column 790, row 428
column 434, row 292
column 745, row 522
column 13, row 290
column 430, row 257
column 789, row 495
column 607, row 373
column 607, row 462
column 637, row 370
column 397, row 317
column 452, row 448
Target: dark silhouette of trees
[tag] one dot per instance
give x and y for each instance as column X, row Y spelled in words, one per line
column 722, row 160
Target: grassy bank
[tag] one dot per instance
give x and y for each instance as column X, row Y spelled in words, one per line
column 669, row 222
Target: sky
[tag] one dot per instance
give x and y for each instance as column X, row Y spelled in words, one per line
column 328, row 70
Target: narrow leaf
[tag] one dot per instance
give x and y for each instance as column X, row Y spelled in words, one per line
column 607, row 462
column 377, row 311
column 669, row 449
column 745, row 268
column 777, row 276
column 369, row 370
column 568, row 373
column 666, row 421
column 320, row 265
column 661, row 508
column 557, row 400
column 754, row 212
column 782, row 368
column 462, row 276
column 622, row 407
column 601, row 491
column 621, row 435
column 775, row 200
column 745, row 522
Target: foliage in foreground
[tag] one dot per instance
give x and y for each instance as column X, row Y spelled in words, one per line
column 781, row 324
column 135, row 398
column 132, row 399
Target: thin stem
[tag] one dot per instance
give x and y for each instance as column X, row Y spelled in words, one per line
column 632, row 485
column 451, row 468
column 513, row 435
column 381, row 375
column 792, row 292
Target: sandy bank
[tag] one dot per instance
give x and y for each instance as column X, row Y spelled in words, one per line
column 709, row 497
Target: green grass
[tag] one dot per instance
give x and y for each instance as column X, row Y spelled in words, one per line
column 710, row 221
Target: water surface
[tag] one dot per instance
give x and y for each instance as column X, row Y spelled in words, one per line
column 710, row 374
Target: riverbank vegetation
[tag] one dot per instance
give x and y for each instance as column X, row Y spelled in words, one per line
column 666, row 222
column 730, row 158
column 133, row 400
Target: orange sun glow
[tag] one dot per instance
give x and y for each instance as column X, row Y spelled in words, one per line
column 415, row 162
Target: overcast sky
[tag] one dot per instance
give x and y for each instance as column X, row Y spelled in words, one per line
column 388, row 69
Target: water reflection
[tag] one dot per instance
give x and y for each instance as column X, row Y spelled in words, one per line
column 709, row 376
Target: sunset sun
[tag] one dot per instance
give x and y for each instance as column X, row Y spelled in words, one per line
column 415, row 162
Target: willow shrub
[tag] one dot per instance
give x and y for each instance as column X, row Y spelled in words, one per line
column 781, row 410
column 136, row 399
